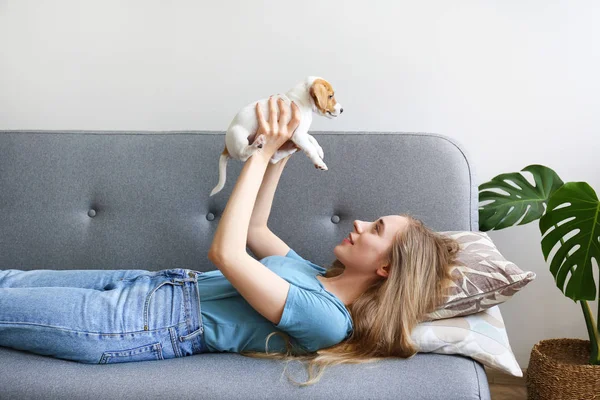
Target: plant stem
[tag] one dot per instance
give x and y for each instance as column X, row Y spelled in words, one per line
column 596, row 346
column 593, row 330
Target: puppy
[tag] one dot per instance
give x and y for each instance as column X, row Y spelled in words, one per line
column 314, row 94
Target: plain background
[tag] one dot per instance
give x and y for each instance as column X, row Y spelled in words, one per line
column 515, row 82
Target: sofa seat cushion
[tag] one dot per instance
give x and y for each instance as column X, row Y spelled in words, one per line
column 424, row 376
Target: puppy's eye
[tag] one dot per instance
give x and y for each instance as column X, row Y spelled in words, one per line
column 331, row 96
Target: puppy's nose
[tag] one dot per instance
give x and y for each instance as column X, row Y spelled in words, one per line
column 341, row 110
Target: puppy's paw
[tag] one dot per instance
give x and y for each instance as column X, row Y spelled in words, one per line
column 321, row 166
column 260, row 141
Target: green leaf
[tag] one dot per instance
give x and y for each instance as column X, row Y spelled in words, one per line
column 506, row 210
column 585, row 207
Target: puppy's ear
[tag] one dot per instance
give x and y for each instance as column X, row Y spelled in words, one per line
column 319, row 93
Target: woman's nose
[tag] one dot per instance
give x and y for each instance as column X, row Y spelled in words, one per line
column 357, row 225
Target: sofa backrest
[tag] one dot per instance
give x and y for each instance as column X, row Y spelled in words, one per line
column 140, row 200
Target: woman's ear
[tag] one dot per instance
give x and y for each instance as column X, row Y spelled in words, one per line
column 384, row 271
column 319, row 93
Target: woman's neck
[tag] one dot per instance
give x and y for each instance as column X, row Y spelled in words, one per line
column 345, row 287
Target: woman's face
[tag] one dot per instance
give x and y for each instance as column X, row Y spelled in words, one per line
column 372, row 245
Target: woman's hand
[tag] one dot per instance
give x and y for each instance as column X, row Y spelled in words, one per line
column 277, row 134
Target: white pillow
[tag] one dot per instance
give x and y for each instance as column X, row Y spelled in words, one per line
column 480, row 336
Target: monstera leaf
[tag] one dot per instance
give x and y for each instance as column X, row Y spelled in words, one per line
column 506, row 210
column 582, row 214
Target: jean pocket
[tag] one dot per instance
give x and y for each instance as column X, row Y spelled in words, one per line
column 162, row 305
column 150, row 352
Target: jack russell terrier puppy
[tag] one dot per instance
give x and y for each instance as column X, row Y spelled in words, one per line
column 314, row 94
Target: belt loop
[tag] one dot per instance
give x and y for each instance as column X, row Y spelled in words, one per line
column 191, row 335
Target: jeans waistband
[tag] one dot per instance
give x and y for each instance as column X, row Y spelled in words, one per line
column 194, row 333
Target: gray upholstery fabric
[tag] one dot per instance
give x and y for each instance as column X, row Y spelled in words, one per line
column 139, row 200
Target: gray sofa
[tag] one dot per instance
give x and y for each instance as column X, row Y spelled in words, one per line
column 139, row 200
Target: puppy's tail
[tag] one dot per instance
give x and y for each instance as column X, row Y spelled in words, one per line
column 222, row 171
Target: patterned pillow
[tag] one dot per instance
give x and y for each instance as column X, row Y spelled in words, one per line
column 482, row 277
column 481, row 336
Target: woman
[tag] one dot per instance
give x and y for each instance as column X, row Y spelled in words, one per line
column 360, row 309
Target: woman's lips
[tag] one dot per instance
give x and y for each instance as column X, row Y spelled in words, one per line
column 347, row 241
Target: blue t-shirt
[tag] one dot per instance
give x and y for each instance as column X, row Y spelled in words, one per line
column 313, row 317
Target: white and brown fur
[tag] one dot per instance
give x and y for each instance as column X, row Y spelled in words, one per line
column 314, row 94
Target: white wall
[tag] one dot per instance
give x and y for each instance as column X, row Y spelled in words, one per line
column 517, row 82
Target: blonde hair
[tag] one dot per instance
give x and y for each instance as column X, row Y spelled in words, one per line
column 385, row 314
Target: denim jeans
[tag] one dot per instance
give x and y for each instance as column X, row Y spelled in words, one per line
column 102, row 316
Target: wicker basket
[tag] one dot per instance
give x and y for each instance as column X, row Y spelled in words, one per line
column 560, row 369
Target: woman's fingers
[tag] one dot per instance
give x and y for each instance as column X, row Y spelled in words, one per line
column 296, row 116
column 262, row 124
column 285, row 124
column 283, row 114
column 272, row 112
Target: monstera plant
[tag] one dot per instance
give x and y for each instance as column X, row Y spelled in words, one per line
column 569, row 215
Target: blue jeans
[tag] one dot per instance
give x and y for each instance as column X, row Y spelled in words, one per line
column 98, row 316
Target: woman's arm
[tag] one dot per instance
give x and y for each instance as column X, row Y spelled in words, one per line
column 262, row 288
column 264, row 200
column 232, row 232
column 261, row 241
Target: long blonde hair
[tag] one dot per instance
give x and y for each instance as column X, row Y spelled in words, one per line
column 385, row 314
